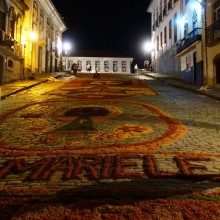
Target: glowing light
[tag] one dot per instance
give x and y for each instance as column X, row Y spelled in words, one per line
column 66, row 46
column 148, row 46
column 33, row 36
column 198, row 7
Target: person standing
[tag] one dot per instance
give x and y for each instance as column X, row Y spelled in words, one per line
column 75, row 68
column 88, row 67
column 96, row 74
column 136, row 68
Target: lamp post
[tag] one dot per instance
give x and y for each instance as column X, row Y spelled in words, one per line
column 66, row 47
column 148, row 47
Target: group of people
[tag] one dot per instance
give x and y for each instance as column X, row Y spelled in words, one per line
column 74, row 69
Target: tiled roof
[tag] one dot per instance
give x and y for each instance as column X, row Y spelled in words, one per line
column 95, row 53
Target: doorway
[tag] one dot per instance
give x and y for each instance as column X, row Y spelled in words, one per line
column 40, row 60
column 1, row 69
column 194, row 67
column 217, row 70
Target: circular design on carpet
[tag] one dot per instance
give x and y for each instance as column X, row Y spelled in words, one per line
column 87, row 127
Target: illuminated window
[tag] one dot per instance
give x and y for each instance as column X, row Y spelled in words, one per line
column 123, row 66
column 115, row 66
column 106, row 66
column 186, row 27
column 79, row 63
column 194, row 19
column 97, row 65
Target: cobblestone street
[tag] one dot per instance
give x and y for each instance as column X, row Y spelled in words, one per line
column 130, row 134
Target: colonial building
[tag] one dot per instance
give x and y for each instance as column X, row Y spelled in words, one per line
column 105, row 61
column 177, row 38
column 212, row 43
column 30, row 38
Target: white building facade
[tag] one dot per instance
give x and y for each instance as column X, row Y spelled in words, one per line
column 177, row 38
column 105, row 62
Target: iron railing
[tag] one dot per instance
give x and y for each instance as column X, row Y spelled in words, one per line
column 10, row 44
column 189, row 39
column 213, row 34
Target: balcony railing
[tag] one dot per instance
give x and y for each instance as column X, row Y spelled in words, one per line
column 213, row 34
column 192, row 37
column 10, row 44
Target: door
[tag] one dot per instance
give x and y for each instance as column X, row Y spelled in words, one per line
column 39, row 60
column 1, row 69
column 194, row 67
column 217, row 73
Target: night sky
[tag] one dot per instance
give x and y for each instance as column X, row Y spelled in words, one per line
column 121, row 26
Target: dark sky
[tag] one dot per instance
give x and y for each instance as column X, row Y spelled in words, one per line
column 118, row 25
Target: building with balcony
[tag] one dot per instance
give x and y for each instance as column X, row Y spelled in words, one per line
column 177, row 38
column 212, row 43
column 104, row 61
column 30, row 38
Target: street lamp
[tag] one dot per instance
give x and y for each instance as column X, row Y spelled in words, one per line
column 66, row 47
column 148, row 48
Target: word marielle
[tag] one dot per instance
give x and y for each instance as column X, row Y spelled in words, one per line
column 106, row 167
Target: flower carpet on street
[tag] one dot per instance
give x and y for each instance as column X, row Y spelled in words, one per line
column 90, row 147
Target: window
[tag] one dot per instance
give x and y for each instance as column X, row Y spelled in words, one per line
column 97, row 65
column 41, row 25
column 157, row 43
column 123, row 66
column 165, row 35
column 161, row 39
column 10, row 64
column 216, row 11
column 48, row 29
column 2, row 15
column 52, row 33
column 106, row 66
column 188, row 63
column 11, row 23
column 175, row 28
column 170, row 29
column 186, row 27
column 115, row 66
column 79, row 63
column 194, row 20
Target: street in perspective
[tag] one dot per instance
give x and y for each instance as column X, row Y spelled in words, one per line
column 116, row 147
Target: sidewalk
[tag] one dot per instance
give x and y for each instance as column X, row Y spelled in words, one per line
column 212, row 93
column 21, row 85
